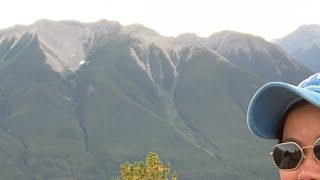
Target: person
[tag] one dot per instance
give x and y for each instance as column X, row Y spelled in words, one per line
column 291, row 115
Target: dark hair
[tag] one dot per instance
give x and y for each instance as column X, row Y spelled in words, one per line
column 292, row 107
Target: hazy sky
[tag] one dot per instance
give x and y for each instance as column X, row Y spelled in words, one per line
column 267, row 18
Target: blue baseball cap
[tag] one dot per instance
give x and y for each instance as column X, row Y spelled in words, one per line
column 269, row 104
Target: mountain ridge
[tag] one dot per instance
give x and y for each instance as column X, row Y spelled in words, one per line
column 75, row 41
column 135, row 92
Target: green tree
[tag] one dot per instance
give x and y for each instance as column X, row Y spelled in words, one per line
column 152, row 169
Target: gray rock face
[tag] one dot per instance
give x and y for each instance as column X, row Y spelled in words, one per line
column 64, row 43
column 258, row 56
column 303, row 44
column 304, row 37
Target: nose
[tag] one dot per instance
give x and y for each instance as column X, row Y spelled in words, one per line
column 307, row 175
column 310, row 168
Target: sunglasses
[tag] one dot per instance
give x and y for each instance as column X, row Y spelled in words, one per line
column 289, row 155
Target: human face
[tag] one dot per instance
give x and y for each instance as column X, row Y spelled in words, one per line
column 302, row 126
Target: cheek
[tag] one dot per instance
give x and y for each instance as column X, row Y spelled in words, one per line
column 285, row 175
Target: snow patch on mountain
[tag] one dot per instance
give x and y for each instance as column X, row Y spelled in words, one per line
column 81, row 62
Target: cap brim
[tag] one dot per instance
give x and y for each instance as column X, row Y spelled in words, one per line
column 269, row 104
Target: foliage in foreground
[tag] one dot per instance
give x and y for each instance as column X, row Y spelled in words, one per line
column 152, row 169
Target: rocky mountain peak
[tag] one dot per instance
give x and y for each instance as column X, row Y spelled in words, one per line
column 303, row 44
column 64, row 43
column 139, row 29
column 147, row 37
column 190, row 39
column 309, row 28
column 305, row 37
column 250, row 52
column 226, row 40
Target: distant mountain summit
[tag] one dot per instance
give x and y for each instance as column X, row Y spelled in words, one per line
column 304, row 45
column 257, row 56
column 191, row 39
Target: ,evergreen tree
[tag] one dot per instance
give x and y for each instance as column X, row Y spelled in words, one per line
column 152, row 169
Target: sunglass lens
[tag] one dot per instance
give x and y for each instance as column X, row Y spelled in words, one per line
column 316, row 149
column 287, row 155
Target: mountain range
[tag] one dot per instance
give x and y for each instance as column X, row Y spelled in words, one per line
column 78, row 99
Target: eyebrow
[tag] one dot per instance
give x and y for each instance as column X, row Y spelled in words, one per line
column 290, row 139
